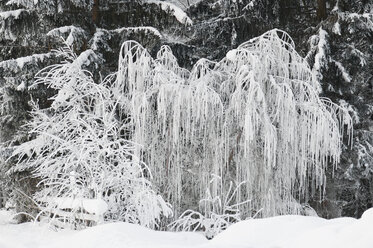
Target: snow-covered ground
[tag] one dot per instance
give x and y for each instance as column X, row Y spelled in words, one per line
column 276, row 232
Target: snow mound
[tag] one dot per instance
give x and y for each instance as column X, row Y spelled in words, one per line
column 299, row 231
column 5, row 217
column 268, row 231
column 277, row 232
column 126, row 235
column 368, row 215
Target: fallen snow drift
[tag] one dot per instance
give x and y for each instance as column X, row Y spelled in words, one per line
column 279, row 232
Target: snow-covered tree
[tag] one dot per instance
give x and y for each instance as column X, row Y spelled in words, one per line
column 253, row 117
column 80, row 154
column 30, row 29
column 339, row 58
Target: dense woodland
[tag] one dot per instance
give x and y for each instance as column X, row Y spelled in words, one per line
column 174, row 114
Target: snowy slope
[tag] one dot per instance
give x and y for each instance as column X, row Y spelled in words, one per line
column 279, row 232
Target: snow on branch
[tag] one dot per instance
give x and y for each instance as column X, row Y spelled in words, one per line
column 7, row 21
column 51, row 6
column 363, row 22
column 100, row 40
column 343, row 71
column 318, row 51
column 179, row 14
column 145, row 29
column 359, row 54
column 102, row 37
column 22, row 3
column 87, row 58
column 11, row 14
column 16, row 65
column 71, row 34
column 13, row 70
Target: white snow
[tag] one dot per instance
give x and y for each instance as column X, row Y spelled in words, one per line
column 99, row 39
column 22, row 86
column 36, row 57
column 179, row 14
column 5, row 217
column 277, row 232
column 12, row 13
column 85, row 59
column 16, row 65
column 136, row 29
column 354, row 114
column 23, row 3
column 359, row 54
column 63, row 30
column 249, row 6
column 126, row 235
column 368, row 215
column 92, row 206
column 231, row 55
column 71, row 32
column 343, row 71
column 321, row 53
column 7, row 21
column 337, row 28
column 364, row 20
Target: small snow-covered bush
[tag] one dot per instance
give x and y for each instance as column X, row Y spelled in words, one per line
column 79, row 152
column 218, row 212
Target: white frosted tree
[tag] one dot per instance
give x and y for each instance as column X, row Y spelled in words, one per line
column 254, row 118
column 80, row 155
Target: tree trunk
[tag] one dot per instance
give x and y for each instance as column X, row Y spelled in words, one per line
column 2, row 198
column 321, row 10
column 95, row 11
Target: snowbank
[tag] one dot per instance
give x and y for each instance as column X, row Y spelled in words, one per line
column 279, row 232
column 299, row 231
column 118, row 235
column 5, row 217
column 283, row 231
